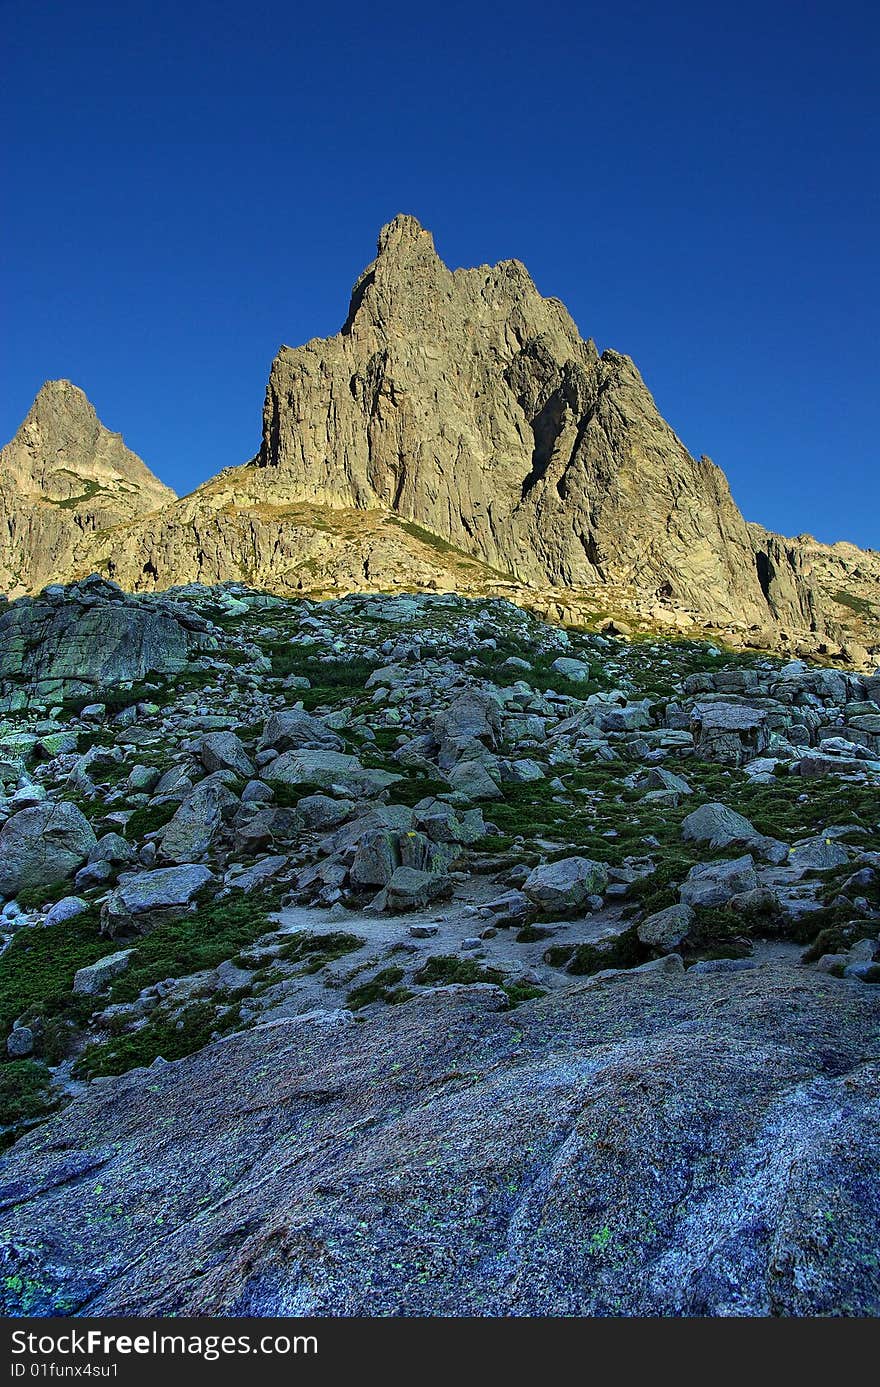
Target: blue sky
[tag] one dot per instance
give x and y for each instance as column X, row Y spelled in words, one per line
column 189, row 185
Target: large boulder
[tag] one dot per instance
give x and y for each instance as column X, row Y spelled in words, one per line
column 729, row 732
column 294, row 729
column 223, row 751
column 722, row 827
column 88, row 639
column 96, row 976
column 42, row 845
column 155, row 898
column 566, row 884
column 410, row 889
column 473, row 714
column 327, row 769
column 667, row 928
column 715, row 883
column 189, row 834
column 472, row 781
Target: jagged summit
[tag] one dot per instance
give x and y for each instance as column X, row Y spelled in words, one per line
column 468, row 403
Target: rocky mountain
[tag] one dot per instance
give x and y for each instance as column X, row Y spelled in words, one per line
column 466, row 402
column 457, row 434
column 65, row 479
column 412, row 955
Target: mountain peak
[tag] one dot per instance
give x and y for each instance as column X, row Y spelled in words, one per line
column 402, row 232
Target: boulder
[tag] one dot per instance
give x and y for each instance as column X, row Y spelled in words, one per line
column 190, row 833
column 667, row 928
column 376, row 859
column 223, row 751
column 715, row 883
column 293, row 729
column 96, row 976
column 565, row 885
column 66, row 909
column 722, row 827
column 160, row 897
column 472, row 781
column 473, row 714
column 575, row 670
column 328, row 769
column 20, row 1043
column 410, row 889
column 42, row 845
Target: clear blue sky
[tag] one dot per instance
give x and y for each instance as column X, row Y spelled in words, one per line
column 188, row 185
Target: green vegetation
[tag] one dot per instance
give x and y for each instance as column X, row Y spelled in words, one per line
column 441, row 970
column 35, row 897
column 330, row 680
column 623, row 951
column 856, row 604
column 149, row 819
column 384, row 987
column 314, row 951
column 36, row 971
column 202, row 940
column 171, row 1036
column 91, row 490
column 24, row 1091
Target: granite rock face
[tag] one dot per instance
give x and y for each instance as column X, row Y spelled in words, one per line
column 653, row 1144
column 64, row 478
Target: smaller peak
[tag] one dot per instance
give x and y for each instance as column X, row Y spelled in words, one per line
column 61, row 389
column 403, row 231
column 63, row 395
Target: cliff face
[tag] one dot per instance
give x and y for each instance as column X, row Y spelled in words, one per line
column 468, row 403
column 820, row 587
column 64, row 478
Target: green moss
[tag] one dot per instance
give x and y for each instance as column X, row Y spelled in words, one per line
column 35, row 897
column 314, row 951
column 211, row 935
column 384, row 987
column 36, row 971
column 442, row 970
column 170, row 1036
column 331, row 679
column 149, row 819
column 624, row 951
column 25, row 1091
column 531, row 934
column 413, row 787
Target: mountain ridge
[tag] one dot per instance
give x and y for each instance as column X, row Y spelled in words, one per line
column 464, row 403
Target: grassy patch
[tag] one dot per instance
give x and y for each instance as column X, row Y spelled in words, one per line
column 442, row 970
column 170, row 1036
column 331, row 679
column 314, row 951
column 24, row 1091
column 203, row 940
column 36, row 971
column 384, row 987
column 860, row 605
column 624, row 951
column 149, row 819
